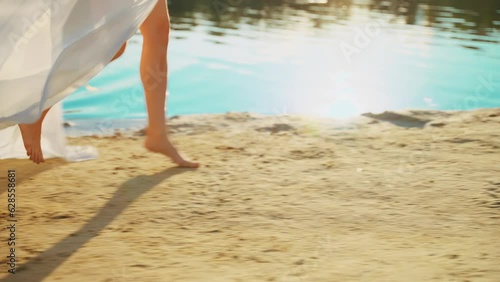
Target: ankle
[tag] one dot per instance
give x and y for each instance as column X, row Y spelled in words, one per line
column 153, row 133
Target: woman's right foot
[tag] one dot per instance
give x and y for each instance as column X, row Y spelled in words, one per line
column 160, row 144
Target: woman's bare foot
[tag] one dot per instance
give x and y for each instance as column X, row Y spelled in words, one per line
column 31, row 134
column 160, row 144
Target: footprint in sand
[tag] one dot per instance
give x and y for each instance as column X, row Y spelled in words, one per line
column 277, row 127
column 494, row 193
column 312, row 153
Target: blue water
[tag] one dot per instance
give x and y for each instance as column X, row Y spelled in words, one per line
column 336, row 59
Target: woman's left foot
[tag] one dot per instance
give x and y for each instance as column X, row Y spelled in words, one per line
column 31, row 134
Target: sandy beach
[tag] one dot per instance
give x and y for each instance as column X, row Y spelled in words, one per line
column 398, row 196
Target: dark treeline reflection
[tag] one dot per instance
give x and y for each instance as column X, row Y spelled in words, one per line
column 470, row 16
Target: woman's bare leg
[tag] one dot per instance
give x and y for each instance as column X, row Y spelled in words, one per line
column 120, row 52
column 32, row 134
column 155, row 31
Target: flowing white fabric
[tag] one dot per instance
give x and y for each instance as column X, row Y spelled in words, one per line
column 50, row 48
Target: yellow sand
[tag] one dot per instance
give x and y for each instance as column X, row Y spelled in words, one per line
column 277, row 199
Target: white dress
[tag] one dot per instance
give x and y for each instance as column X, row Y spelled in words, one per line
column 50, row 48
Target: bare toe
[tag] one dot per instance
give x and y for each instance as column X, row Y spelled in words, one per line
column 39, row 156
column 187, row 164
column 35, row 157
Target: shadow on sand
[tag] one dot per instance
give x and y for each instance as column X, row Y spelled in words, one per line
column 41, row 266
column 25, row 170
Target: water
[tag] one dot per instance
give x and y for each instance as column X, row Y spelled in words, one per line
column 324, row 58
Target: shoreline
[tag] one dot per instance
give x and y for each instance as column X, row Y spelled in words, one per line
column 405, row 118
